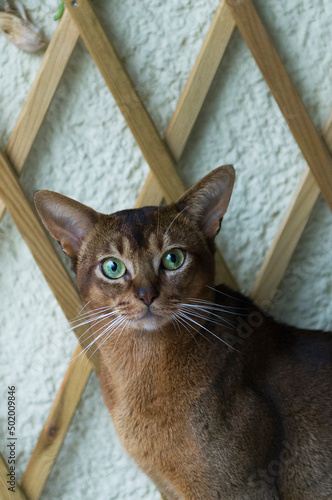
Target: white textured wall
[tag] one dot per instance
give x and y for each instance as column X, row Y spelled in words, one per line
column 85, row 151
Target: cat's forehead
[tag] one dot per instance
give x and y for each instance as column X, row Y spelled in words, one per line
column 137, row 225
column 148, row 228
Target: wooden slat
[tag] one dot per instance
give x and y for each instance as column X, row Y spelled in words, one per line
column 138, row 120
column 200, row 80
column 313, row 148
column 280, row 252
column 41, row 93
column 193, row 96
column 327, row 132
column 19, row 145
column 151, row 193
column 56, row 427
column 4, row 493
column 47, row 448
column 289, row 233
column 62, row 287
column 41, row 248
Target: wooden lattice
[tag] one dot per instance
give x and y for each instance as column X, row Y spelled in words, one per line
column 163, row 182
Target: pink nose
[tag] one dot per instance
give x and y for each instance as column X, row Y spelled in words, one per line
column 146, row 295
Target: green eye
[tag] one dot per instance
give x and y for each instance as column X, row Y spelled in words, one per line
column 113, row 268
column 173, row 259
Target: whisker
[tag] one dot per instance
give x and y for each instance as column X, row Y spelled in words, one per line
column 104, row 332
column 80, row 312
column 176, row 325
column 174, row 220
column 95, row 340
column 213, row 308
column 209, row 313
column 95, row 322
column 94, row 319
column 115, row 323
column 108, row 336
column 90, row 311
column 226, row 294
column 183, row 322
column 124, row 326
column 207, row 308
column 206, row 318
column 112, row 332
column 178, row 320
column 94, row 325
column 209, row 331
column 90, row 314
column 224, row 308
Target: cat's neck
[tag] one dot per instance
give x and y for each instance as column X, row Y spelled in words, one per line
column 150, row 358
column 141, row 349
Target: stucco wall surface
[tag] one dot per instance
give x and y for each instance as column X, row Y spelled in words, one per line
column 84, row 150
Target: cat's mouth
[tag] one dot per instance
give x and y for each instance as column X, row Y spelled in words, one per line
column 148, row 314
column 148, row 321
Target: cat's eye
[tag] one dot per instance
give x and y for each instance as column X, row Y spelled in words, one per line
column 112, row 268
column 173, row 259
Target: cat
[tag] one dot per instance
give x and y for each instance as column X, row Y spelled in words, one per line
column 210, row 396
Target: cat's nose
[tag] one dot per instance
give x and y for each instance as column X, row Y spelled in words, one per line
column 146, row 295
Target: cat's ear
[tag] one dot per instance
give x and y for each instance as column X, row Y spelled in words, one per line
column 206, row 201
column 67, row 220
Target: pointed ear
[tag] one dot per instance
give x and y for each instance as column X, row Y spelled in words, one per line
column 67, row 220
column 207, row 201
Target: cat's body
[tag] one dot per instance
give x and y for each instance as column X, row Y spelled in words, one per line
column 210, row 422
column 211, row 397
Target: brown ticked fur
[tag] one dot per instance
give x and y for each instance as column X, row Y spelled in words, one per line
column 234, row 406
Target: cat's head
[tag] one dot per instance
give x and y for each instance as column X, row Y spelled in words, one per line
column 142, row 263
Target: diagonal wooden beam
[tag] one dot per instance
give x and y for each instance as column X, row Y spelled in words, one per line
column 47, row 259
column 56, row 426
column 6, row 494
column 154, row 149
column 200, row 79
column 41, row 93
column 193, row 96
column 19, row 145
column 49, row 442
column 289, row 233
column 138, row 120
column 64, row 291
column 313, row 148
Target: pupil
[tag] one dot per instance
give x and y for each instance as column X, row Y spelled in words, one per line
column 173, row 257
column 114, row 266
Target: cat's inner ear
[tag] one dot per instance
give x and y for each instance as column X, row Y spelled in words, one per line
column 206, row 202
column 67, row 220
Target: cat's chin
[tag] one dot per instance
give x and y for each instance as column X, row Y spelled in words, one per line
column 149, row 322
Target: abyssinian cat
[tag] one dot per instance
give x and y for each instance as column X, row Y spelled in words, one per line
column 207, row 408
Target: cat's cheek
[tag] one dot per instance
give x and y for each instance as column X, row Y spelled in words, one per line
column 102, row 294
column 198, row 281
column 181, row 281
